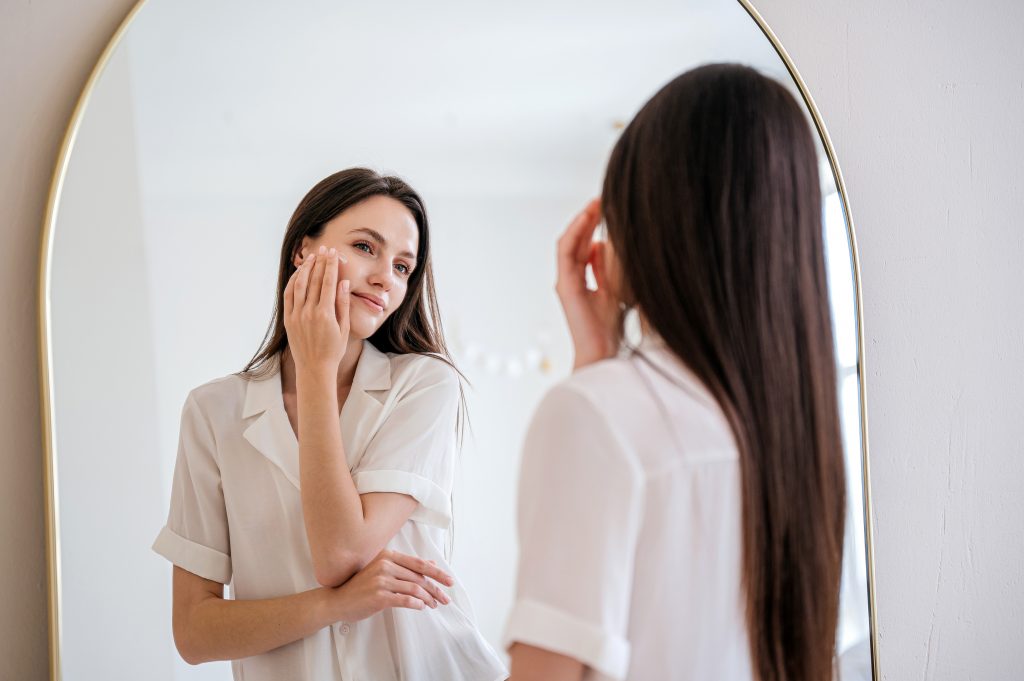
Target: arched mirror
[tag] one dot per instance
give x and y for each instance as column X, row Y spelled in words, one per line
column 203, row 125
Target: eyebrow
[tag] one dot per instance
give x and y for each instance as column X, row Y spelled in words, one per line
column 379, row 238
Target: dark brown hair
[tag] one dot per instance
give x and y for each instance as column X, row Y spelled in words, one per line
column 415, row 327
column 713, row 207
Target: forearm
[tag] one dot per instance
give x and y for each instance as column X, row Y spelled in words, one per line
column 529, row 663
column 221, row 629
column 331, row 506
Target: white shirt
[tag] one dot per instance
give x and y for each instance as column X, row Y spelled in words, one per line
column 236, row 516
column 630, row 526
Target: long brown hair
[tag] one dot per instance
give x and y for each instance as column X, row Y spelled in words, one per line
column 713, row 207
column 415, row 327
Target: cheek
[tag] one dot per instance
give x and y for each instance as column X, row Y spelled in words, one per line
column 398, row 294
column 397, row 297
column 355, row 269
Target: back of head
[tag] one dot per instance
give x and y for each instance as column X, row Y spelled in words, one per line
column 713, row 207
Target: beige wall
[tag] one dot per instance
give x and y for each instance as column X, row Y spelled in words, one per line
column 47, row 49
column 924, row 102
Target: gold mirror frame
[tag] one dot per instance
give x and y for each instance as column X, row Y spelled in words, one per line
column 45, row 359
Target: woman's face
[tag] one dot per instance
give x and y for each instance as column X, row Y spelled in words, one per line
column 379, row 238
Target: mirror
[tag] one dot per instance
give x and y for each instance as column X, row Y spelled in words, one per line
column 201, row 130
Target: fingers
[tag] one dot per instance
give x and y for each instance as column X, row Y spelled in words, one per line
column 301, row 276
column 596, row 260
column 342, row 301
column 591, row 218
column 316, row 278
column 342, row 298
column 580, row 232
column 329, row 286
column 404, row 601
column 433, row 589
column 400, row 586
column 421, row 566
column 574, row 246
column 289, row 294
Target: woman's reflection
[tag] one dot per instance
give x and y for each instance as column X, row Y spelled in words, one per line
column 330, row 528
column 682, row 503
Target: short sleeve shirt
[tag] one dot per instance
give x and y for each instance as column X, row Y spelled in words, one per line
column 629, row 525
column 236, row 516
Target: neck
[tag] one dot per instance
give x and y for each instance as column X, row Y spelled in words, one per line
column 346, row 369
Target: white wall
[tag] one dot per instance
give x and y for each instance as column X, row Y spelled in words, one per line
column 227, row 134
column 925, row 104
column 103, row 346
column 919, row 99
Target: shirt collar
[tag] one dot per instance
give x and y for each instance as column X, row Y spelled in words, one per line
column 373, row 372
column 653, row 347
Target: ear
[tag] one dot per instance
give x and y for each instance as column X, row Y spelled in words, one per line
column 302, row 251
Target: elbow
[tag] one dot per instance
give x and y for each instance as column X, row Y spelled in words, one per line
column 193, row 647
column 189, row 658
column 333, row 570
column 188, row 652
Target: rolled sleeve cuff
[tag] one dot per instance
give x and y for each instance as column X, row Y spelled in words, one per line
column 435, row 504
column 198, row 559
column 543, row 626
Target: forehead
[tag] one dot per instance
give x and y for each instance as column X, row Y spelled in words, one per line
column 381, row 214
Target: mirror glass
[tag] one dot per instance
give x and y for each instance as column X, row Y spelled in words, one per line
column 208, row 124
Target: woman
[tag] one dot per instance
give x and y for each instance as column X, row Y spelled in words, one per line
column 330, row 528
column 682, row 502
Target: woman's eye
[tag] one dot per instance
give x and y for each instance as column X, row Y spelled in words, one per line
column 402, row 268
column 362, row 245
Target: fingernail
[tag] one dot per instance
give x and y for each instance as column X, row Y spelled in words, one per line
column 323, row 249
column 345, row 285
column 332, row 251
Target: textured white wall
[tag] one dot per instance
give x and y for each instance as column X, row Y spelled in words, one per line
column 924, row 102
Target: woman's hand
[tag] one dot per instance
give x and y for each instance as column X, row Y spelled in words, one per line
column 316, row 312
column 391, row 580
column 594, row 316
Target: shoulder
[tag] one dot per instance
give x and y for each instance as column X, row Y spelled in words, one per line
column 622, row 399
column 412, row 371
column 593, row 399
column 582, row 426
column 605, row 387
column 641, row 381
column 221, row 396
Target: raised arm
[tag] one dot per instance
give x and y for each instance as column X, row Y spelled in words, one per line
column 344, row 528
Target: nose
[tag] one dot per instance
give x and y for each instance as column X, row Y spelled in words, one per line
column 382, row 276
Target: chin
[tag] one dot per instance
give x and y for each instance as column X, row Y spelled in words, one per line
column 362, row 331
column 362, row 328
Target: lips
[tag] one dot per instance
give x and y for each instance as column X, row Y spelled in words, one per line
column 373, row 302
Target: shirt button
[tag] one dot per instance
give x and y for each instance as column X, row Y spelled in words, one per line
column 345, row 629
